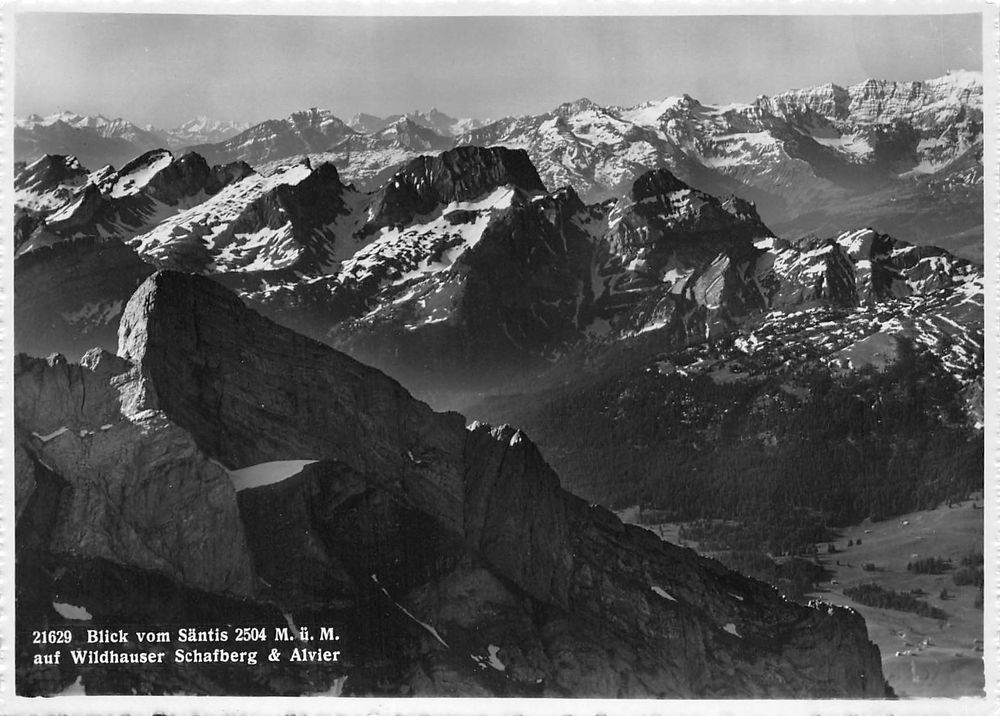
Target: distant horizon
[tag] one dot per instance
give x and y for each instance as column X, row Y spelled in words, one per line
column 426, row 110
column 151, row 69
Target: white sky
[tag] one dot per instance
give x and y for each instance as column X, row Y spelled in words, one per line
column 165, row 69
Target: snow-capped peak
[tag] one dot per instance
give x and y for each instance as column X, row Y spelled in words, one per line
column 138, row 173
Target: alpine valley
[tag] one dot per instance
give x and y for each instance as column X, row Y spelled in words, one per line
column 305, row 359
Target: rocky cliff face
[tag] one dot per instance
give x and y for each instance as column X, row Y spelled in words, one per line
column 122, row 461
column 452, row 558
column 933, row 102
column 462, row 174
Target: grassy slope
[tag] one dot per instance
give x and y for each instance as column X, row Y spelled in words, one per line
column 951, row 665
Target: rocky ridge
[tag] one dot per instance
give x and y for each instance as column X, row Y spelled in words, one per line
column 515, row 587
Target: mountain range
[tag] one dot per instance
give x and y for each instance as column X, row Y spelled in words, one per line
column 462, row 270
column 893, row 155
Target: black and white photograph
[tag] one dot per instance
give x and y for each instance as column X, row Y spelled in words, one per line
column 399, row 353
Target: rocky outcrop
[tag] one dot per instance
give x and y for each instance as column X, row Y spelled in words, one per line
column 663, row 218
column 457, row 175
column 123, row 462
column 815, row 272
column 451, row 553
column 856, row 267
column 359, row 415
column 887, row 267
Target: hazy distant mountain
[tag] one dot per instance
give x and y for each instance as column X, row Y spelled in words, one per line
column 307, row 132
column 367, row 123
column 433, row 119
column 93, row 140
column 203, row 130
column 96, row 140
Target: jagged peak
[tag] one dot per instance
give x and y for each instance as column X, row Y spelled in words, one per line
column 154, row 157
column 314, row 115
column 432, row 113
column 459, row 174
column 578, row 105
column 404, row 121
column 514, row 164
column 655, row 182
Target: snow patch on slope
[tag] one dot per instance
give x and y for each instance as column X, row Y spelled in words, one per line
column 266, row 473
column 134, row 180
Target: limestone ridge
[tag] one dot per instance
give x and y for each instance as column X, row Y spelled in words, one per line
column 477, row 539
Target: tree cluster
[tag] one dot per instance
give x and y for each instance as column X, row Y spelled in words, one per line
column 873, row 595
